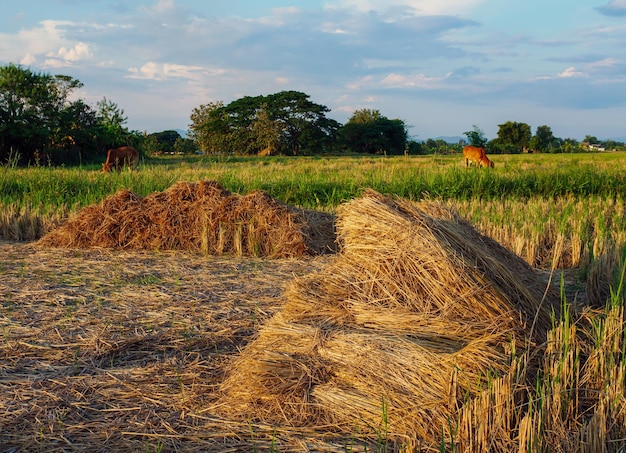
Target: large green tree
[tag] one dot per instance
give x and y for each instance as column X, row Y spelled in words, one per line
column 368, row 131
column 305, row 127
column 31, row 106
column 513, row 137
column 286, row 121
column 111, row 118
column 38, row 120
column 543, row 140
column 209, row 127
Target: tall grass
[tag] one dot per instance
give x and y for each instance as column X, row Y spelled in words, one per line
column 574, row 402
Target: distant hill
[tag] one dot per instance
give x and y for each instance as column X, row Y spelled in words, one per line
column 451, row 139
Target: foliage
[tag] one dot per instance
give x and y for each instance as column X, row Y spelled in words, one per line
column 268, row 131
column 543, row 140
column 513, row 137
column 184, row 145
column 111, row 119
column 439, row 146
column 476, row 137
column 287, row 122
column 414, row 147
column 591, row 139
column 369, row 132
column 39, row 123
column 208, row 128
column 167, row 142
column 30, row 109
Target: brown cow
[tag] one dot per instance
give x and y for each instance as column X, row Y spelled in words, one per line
column 118, row 158
column 476, row 155
column 269, row 151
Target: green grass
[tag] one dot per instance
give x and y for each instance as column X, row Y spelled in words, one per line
column 530, row 203
column 325, row 182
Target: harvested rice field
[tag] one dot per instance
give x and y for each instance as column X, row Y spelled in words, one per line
column 408, row 331
column 108, row 350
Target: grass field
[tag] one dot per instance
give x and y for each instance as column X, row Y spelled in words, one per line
column 530, row 203
column 108, row 350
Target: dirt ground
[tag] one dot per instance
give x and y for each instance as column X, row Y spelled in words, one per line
column 106, row 350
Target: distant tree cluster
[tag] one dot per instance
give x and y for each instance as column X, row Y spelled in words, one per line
column 281, row 123
column 289, row 123
column 514, row 137
column 167, row 142
column 39, row 122
column 367, row 131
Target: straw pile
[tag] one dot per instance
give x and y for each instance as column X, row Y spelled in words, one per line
column 198, row 217
column 396, row 332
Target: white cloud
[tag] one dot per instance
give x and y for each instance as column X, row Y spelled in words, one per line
column 79, row 52
column 28, row 43
column 28, row 59
column 419, row 7
column 571, row 72
column 411, row 81
column 604, row 63
column 164, row 71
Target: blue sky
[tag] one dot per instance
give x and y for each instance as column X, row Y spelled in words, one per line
column 442, row 66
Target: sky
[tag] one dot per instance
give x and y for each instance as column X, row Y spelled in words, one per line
column 441, row 66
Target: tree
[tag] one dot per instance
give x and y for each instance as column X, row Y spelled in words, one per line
column 590, row 139
column 268, row 132
column 305, row 125
column 543, row 140
column 75, row 137
column 513, row 137
column 439, row 145
column 209, row 127
column 570, row 145
column 476, row 137
column 111, row 118
column 184, row 145
column 286, row 120
column 30, row 109
column 37, row 118
column 367, row 131
column 166, row 140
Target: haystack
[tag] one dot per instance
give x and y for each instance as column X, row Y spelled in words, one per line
column 198, row 217
column 396, row 332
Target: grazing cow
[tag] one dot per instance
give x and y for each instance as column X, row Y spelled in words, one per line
column 269, row 151
column 118, row 158
column 477, row 156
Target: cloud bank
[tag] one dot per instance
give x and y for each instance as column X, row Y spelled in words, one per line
column 413, row 59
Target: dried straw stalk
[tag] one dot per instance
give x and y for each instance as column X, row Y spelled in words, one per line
column 396, row 331
column 201, row 217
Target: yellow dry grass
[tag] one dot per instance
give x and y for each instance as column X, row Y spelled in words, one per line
column 420, row 335
column 404, row 324
column 122, row 351
column 201, row 217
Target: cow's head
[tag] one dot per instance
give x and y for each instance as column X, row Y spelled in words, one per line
column 486, row 162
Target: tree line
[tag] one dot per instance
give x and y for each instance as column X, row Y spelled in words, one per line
column 514, row 137
column 289, row 123
column 39, row 123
